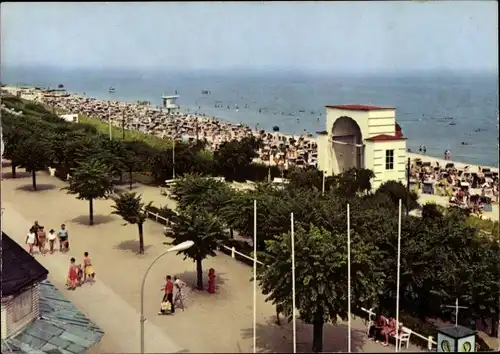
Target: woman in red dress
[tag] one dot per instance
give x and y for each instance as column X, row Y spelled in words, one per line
column 72, row 281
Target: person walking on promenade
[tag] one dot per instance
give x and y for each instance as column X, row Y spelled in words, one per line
column 52, row 240
column 72, row 281
column 88, row 270
column 169, row 295
column 179, row 295
column 42, row 236
column 63, row 239
column 30, row 240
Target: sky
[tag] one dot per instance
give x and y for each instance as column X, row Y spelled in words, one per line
column 349, row 37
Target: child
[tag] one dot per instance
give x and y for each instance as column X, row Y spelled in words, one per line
column 52, row 239
column 88, row 271
column 30, row 240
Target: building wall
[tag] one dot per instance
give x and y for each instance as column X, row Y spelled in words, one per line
column 381, row 122
column 359, row 117
column 375, row 153
column 11, row 328
column 324, row 163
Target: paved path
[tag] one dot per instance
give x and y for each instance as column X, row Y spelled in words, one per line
column 101, row 304
column 220, row 323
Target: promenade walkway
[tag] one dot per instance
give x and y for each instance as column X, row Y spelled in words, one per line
column 218, row 323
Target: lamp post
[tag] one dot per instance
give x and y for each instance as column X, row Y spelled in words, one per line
column 180, row 247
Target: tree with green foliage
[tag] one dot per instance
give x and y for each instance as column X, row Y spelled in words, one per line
column 353, row 182
column 397, row 191
column 130, row 207
column 201, row 227
column 200, row 191
column 320, row 276
column 308, row 178
column 33, row 154
column 90, row 181
column 233, row 158
column 14, row 130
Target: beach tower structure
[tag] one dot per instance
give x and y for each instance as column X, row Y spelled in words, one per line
column 456, row 339
column 169, row 102
column 363, row 136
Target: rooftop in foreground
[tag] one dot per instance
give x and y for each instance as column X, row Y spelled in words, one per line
column 359, row 107
column 61, row 328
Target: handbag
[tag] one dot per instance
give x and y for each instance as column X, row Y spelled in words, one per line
column 166, row 306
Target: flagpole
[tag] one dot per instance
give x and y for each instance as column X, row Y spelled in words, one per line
column 348, row 279
column 255, row 276
column 294, row 317
column 398, row 275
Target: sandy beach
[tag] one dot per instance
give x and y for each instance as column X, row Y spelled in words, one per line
column 277, row 148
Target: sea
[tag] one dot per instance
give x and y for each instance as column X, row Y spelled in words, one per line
column 438, row 110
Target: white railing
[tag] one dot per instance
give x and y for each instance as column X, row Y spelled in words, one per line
column 430, row 339
column 157, row 216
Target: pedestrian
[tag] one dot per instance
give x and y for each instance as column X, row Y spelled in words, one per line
column 73, row 275
column 52, row 239
column 42, row 236
column 424, row 149
column 279, row 309
column 88, row 270
column 63, row 239
column 30, row 240
column 179, row 285
column 168, row 296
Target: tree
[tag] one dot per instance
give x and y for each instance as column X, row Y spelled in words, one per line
column 90, row 181
column 234, row 157
column 309, row 178
column 130, row 207
column 321, row 276
column 14, row 132
column 353, row 182
column 201, row 227
column 33, row 154
column 396, row 191
column 203, row 192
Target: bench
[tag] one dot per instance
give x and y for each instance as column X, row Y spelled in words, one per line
column 279, row 180
column 169, row 182
column 403, row 337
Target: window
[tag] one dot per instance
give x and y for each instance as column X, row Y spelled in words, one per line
column 389, row 159
column 23, row 305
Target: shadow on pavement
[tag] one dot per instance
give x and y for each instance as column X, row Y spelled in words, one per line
column 131, row 246
column 121, row 188
column 272, row 338
column 98, row 219
column 19, row 174
column 39, row 187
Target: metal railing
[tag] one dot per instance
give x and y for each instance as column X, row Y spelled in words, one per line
column 430, row 340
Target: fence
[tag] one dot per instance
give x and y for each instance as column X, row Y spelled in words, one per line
column 430, row 340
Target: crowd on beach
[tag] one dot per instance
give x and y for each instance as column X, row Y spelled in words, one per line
column 277, row 148
column 464, row 187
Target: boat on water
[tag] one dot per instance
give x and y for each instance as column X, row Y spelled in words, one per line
column 111, row 90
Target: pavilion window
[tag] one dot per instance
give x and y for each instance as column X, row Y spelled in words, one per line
column 389, row 159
